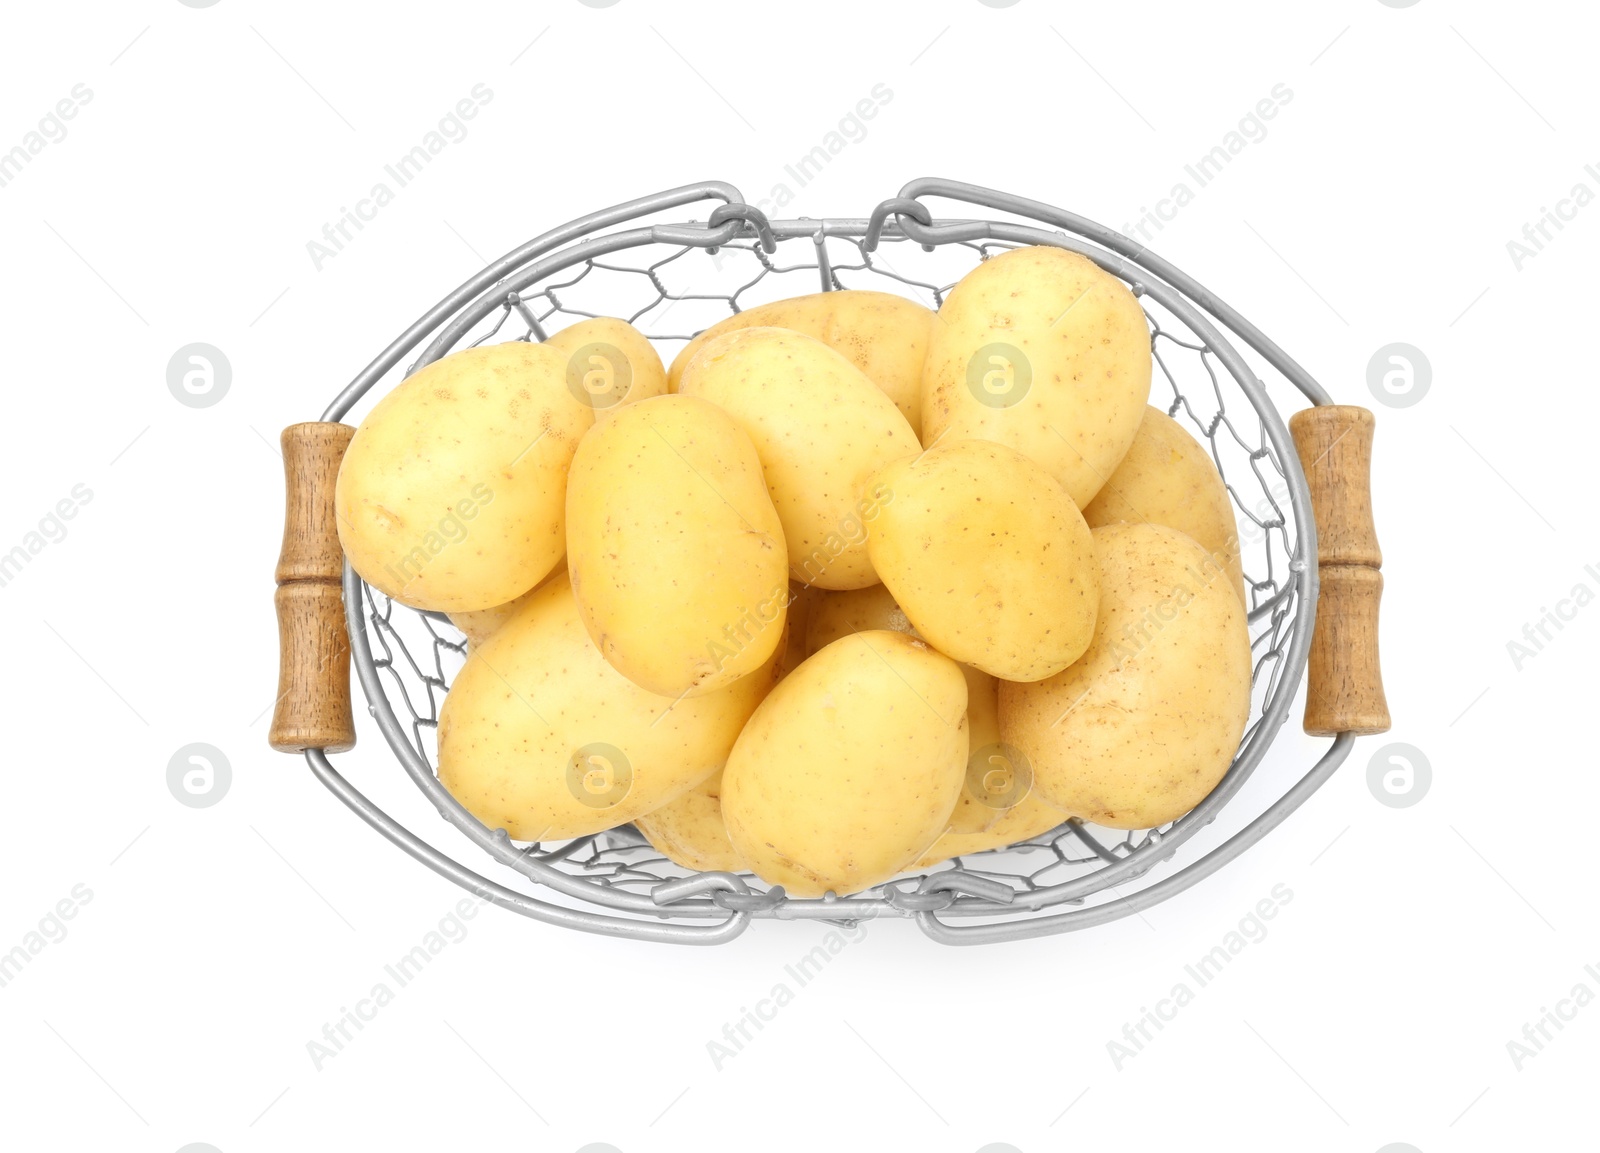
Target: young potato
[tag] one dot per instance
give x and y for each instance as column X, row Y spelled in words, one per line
column 1028, row 818
column 802, row 600
column 690, row 832
column 821, row 429
column 610, row 363
column 989, row 558
column 452, row 493
column 480, row 624
column 1037, row 348
column 675, row 551
column 541, row 737
column 848, row 771
column 1168, row 478
column 883, row 335
column 839, row 614
column 1137, row 732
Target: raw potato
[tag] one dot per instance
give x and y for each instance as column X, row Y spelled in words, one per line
column 821, row 429
column 884, row 335
column 988, row 558
column 1025, row 820
column 690, row 832
column 1037, row 348
column 618, row 364
column 480, row 624
column 803, row 600
column 839, row 614
column 1168, row 478
column 1144, row 726
column 452, row 493
column 675, row 551
column 541, row 737
column 849, row 770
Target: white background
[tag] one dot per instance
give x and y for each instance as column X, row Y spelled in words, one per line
column 218, row 941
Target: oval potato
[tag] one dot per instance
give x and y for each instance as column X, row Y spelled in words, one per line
column 1137, row 732
column 1028, row 818
column 884, row 335
column 690, row 831
column 839, row 614
column 821, row 429
column 988, row 557
column 675, row 551
column 849, row 770
column 610, row 363
column 540, row 736
column 1039, row 349
column 451, row 496
column 1168, row 478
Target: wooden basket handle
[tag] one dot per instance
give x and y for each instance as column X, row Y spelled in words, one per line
column 313, row 709
column 1345, row 693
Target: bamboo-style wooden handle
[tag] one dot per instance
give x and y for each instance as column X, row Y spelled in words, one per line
column 1345, row 680
column 313, row 709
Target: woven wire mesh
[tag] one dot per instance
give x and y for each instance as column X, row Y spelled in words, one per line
column 671, row 292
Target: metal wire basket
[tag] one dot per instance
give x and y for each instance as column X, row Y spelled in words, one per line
column 675, row 278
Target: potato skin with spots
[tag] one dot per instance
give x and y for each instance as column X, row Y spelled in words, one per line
column 689, row 831
column 1168, row 478
column 1084, row 342
column 536, row 710
column 676, row 554
column 849, row 770
column 591, row 378
column 1137, row 732
column 452, row 494
column 1028, row 818
column 884, row 335
column 838, row 614
column 821, row 429
column 990, row 560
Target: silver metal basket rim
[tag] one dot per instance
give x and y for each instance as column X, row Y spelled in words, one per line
column 725, row 897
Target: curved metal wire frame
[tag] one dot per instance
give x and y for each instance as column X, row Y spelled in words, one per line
column 674, row 909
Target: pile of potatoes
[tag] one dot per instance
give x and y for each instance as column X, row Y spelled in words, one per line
column 853, row 588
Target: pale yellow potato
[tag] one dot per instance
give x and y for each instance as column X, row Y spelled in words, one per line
column 850, row 768
column 480, row 624
column 821, row 429
column 1028, row 818
column 1168, row 478
column 988, row 557
column 541, row 737
column 1039, row 349
column 839, row 614
column 884, row 335
column 610, row 363
column 1137, row 732
column 803, row 600
column 690, row 832
column 675, row 551
column 451, row 496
